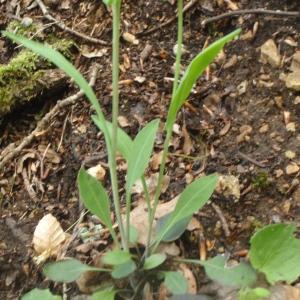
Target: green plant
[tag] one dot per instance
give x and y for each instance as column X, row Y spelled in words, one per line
column 274, row 252
column 121, row 262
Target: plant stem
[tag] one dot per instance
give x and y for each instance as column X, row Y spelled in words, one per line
column 169, row 129
column 116, row 9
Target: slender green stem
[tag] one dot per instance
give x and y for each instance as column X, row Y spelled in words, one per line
column 116, row 9
column 169, row 130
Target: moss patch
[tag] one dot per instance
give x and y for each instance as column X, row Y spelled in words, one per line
column 27, row 74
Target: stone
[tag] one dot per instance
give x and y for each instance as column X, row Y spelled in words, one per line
column 292, row 169
column 292, row 81
column 270, row 53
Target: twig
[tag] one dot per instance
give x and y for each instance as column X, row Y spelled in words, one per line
column 252, row 160
column 251, row 11
column 62, row 26
column 170, row 21
column 222, row 219
column 30, row 190
column 10, row 152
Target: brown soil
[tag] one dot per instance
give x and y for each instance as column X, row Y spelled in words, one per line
column 266, row 196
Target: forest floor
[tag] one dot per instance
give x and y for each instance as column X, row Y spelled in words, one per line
column 241, row 120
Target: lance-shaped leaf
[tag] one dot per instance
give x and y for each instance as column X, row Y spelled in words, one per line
column 140, row 153
column 124, row 141
column 94, row 197
column 40, row 294
column 190, row 201
column 116, row 257
column 193, row 72
column 154, row 261
column 68, row 270
column 123, row 270
column 239, row 276
column 175, row 282
column 107, row 294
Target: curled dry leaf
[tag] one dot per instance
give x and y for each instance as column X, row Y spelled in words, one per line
column 228, row 185
column 98, row 172
column 170, row 249
column 48, row 238
column 190, row 278
column 284, row 292
column 187, row 145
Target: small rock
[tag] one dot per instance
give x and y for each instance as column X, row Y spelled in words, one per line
column 130, row 38
column 297, row 100
column 264, row 128
column 278, row 173
column 292, row 81
column 279, row 101
column 270, row 53
column 295, row 66
column 242, row 87
column 292, row 169
column 291, row 127
column 231, row 62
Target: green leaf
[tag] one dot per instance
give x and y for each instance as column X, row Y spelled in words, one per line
column 134, row 235
column 190, row 201
column 40, row 294
column 254, row 294
column 61, row 62
column 67, row 270
column 275, row 252
column 107, row 294
column 193, row 72
column 123, row 270
column 154, row 261
column 190, row 297
column 124, row 141
column 116, row 257
column 176, row 231
column 94, row 197
column 175, row 282
column 242, row 275
column 140, row 153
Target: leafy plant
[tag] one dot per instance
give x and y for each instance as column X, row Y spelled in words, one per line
column 120, row 261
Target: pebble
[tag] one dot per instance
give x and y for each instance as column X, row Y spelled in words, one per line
column 270, row 53
column 292, row 168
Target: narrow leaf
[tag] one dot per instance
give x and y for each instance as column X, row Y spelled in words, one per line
column 176, row 231
column 191, row 297
column 124, row 141
column 94, row 197
column 40, row 294
column 254, row 294
column 107, row 294
column 67, row 270
column 241, row 275
column 123, row 270
column 134, row 235
column 190, row 201
column 193, row 72
column 116, row 257
column 175, row 282
column 140, row 153
column 154, row 261
column 275, row 252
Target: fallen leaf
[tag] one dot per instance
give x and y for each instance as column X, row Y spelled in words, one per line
column 187, row 145
column 189, row 276
column 48, row 238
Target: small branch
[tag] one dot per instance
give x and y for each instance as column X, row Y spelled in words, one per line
column 222, row 219
column 257, row 11
column 170, row 21
column 10, row 153
column 62, row 26
column 252, row 160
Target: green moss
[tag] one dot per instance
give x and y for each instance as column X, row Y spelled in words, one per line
column 261, row 180
column 20, row 79
column 18, row 28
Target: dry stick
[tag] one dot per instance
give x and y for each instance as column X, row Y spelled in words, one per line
column 252, row 160
column 251, row 11
column 185, row 9
column 11, row 154
column 62, row 26
column 222, row 219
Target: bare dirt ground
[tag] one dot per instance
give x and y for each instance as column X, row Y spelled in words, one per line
column 241, row 120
